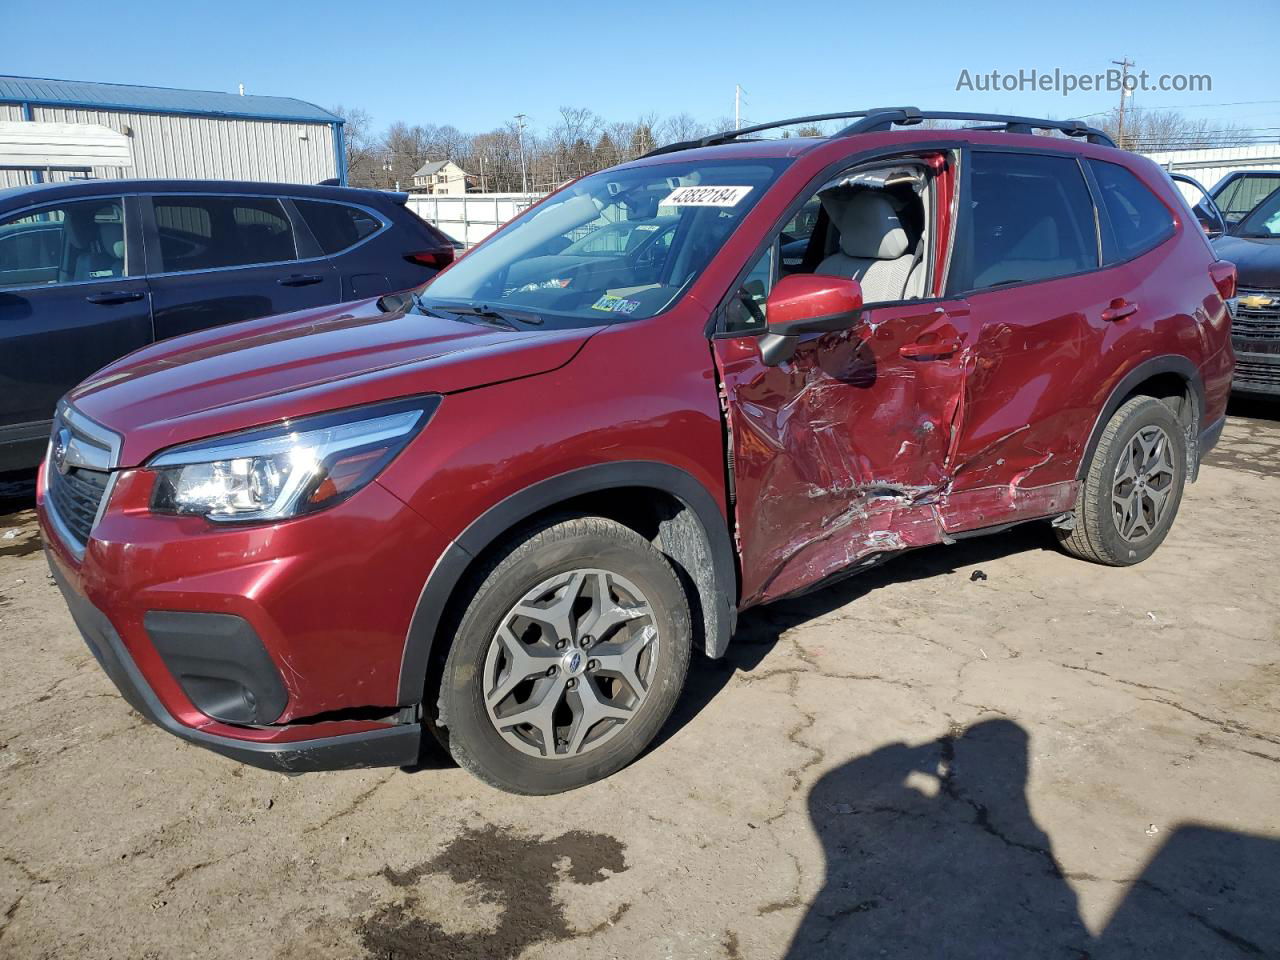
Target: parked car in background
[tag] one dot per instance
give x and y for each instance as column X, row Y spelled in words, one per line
column 1253, row 245
column 458, row 245
column 92, row 270
column 506, row 508
column 1240, row 191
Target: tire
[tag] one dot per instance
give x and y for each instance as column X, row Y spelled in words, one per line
column 1100, row 533
column 605, row 573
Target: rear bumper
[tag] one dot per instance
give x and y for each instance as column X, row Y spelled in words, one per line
column 381, row 747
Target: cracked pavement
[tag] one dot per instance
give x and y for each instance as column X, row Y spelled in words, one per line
column 1062, row 760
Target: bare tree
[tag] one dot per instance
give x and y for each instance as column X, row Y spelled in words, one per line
column 681, row 127
column 1149, row 131
column 580, row 142
column 360, row 144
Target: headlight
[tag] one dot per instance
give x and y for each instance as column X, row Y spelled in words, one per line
column 286, row 470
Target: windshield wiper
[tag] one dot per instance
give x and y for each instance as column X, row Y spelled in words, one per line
column 504, row 318
column 465, row 314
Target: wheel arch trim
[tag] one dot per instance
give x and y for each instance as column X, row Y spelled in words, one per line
column 1146, row 370
column 491, row 525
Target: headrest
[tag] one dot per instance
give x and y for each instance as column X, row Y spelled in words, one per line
column 111, row 237
column 869, row 227
column 79, row 228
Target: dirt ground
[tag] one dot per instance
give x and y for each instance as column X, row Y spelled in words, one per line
column 1059, row 760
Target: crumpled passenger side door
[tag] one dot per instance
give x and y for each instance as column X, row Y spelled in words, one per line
column 841, row 454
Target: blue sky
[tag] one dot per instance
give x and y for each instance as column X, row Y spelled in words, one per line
column 476, row 64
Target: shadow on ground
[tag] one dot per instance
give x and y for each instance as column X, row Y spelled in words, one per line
column 1253, row 406
column 17, row 492
column 760, row 627
column 932, row 851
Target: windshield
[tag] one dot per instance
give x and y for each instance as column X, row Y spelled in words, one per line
column 620, row 245
column 1241, row 194
column 1264, row 221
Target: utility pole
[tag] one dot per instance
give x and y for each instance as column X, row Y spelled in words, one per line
column 524, row 175
column 1124, row 65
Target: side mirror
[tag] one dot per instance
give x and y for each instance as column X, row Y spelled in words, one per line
column 806, row 303
column 1212, row 229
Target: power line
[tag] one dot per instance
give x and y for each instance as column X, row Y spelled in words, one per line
column 1197, row 106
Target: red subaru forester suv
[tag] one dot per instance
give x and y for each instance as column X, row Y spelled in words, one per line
column 507, row 506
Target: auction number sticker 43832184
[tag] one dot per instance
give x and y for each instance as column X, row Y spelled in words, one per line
column 705, row 197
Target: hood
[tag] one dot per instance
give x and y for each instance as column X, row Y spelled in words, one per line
column 248, row 374
column 1257, row 260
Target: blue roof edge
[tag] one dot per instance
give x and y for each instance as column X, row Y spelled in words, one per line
column 321, row 116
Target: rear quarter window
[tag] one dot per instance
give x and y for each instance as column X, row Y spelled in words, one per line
column 337, row 226
column 1139, row 221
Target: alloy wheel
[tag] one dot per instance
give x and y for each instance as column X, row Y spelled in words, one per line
column 1143, row 482
column 570, row 664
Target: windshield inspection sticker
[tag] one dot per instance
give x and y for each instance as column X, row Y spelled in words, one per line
column 615, row 304
column 705, row 197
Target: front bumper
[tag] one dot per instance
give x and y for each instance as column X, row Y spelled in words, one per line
column 279, row 645
column 1257, row 373
column 1255, row 339
column 384, row 746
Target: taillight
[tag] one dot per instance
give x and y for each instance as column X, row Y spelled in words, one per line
column 1223, row 273
column 436, row 259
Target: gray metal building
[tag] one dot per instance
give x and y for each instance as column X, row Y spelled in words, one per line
column 198, row 134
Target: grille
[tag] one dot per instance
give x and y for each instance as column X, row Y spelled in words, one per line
column 1253, row 371
column 75, row 497
column 78, row 474
column 1254, row 324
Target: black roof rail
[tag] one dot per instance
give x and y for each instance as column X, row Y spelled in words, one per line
column 728, row 136
column 880, row 119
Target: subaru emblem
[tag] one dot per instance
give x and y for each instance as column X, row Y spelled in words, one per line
column 61, row 440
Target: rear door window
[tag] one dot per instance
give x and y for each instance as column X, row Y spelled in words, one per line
column 337, row 226
column 205, row 233
column 1138, row 220
column 63, row 243
column 1030, row 218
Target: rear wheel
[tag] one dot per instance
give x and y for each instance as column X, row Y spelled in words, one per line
column 568, row 659
column 1132, row 488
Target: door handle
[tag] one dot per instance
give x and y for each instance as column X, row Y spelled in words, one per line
column 1119, row 309
column 300, row 280
column 938, row 350
column 115, row 296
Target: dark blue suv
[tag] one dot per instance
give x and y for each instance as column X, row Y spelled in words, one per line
column 92, row 270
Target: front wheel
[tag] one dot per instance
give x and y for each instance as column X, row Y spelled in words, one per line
column 1132, row 488
column 568, row 659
